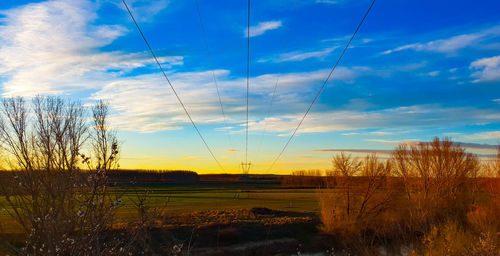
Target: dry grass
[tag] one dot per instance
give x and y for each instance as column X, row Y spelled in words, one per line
column 439, row 209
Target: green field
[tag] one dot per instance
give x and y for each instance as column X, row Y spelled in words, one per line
column 190, row 198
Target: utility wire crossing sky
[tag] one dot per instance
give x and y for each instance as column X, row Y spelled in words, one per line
column 414, row 70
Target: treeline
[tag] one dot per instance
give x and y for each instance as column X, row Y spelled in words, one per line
column 305, row 179
column 328, row 179
column 151, row 176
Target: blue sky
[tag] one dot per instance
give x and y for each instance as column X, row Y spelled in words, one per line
column 416, row 70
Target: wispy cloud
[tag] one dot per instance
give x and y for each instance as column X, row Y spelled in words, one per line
column 128, row 94
column 433, row 73
column 384, row 141
column 327, row 1
column 444, row 45
column 467, row 145
column 488, row 69
column 477, row 145
column 493, row 135
column 351, row 133
column 52, row 48
column 449, row 45
column 368, row 133
column 163, row 112
column 145, row 10
column 300, row 55
column 263, row 27
column 399, row 117
column 357, row 151
column 387, row 152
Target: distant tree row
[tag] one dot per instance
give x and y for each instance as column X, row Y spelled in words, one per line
column 152, row 176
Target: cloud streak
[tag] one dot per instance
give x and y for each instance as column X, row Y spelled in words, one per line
column 399, row 117
column 357, row 151
column 262, row 28
column 196, row 89
column 493, row 135
column 450, row 45
column 487, row 69
column 300, row 55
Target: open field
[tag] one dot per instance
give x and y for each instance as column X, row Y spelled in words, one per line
column 218, row 210
column 175, row 199
column 182, row 200
column 223, row 215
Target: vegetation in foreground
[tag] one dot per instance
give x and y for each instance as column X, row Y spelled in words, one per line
column 427, row 199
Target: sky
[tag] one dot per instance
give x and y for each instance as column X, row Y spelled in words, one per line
column 416, row 70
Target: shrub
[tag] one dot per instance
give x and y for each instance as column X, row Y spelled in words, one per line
column 352, row 207
column 61, row 208
column 439, row 180
column 427, row 197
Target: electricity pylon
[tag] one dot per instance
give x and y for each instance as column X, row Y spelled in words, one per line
column 245, row 167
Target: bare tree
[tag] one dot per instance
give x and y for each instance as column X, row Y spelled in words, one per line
column 104, row 140
column 375, row 190
column 62, row 209
column 14, row 135
column 361, row 194
column 438, row 178
column 344, row 168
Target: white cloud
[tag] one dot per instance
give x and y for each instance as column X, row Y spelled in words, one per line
column 400, row 117
column 444, row 45
column 466, row 145
column 351, row 133
column 433, row 73
column 263, row 27
column 127, row 96
column 380, row 133
column 357, row 151
column 496, row 100
column 144, row 10
column 196, row 89
column 327, row 2
column 449, row 45
column 52, row 48
column 300, row 55
column 367, row 133
column 488, row 69
column 384, row 141
column 493, row 135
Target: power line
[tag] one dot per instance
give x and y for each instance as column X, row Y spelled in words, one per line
column 323, row 86
column 248, row 78
column 273, row 96
column 172, row 87
column 203, row 31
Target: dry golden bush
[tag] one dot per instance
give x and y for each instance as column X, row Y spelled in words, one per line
column 427, row 196
column 492, row 168
column 447, row 239
column 439, row 180
column 351, row 207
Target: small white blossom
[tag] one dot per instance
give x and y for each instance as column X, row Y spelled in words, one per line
column 80, row 213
